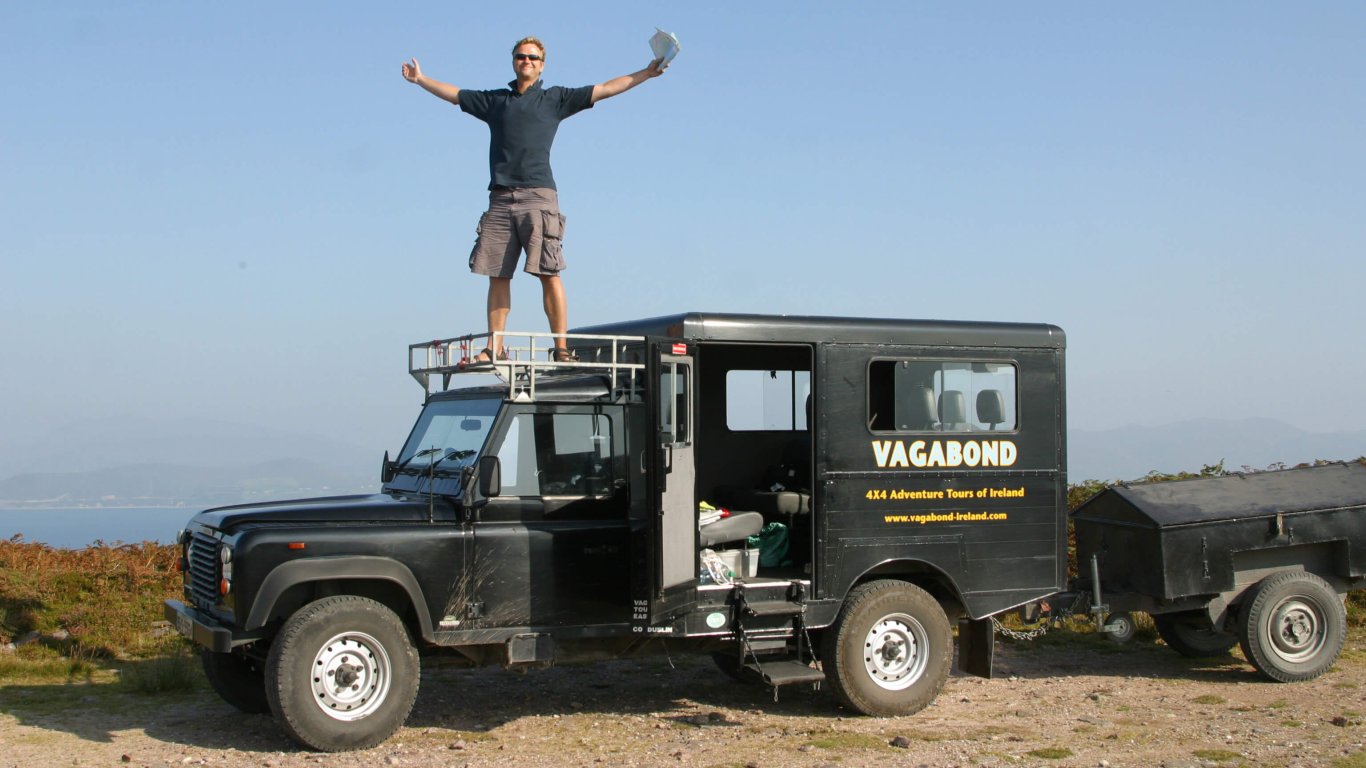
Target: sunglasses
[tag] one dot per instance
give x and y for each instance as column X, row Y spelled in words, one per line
column 525, row 56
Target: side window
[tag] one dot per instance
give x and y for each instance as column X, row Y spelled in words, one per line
column 560, row 454
column 675, row 416
column 941, row 396
column 767, row 400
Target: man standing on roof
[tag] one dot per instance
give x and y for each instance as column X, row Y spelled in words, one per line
column 523, row 213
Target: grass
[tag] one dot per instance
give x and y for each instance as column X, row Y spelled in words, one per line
column 846, row 740
column 1051, row 753
column 1357, row 760
column 1209, row 699
column 177, row 673
column 87, row 604
column 1217, row 755
column 37, row 664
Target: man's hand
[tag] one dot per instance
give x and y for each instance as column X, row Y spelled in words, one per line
column 412, row 71
column 656, row 68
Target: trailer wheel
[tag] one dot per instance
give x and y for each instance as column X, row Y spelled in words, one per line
column 1192, row 635
column 238, row 680
column 1120, row 627
column 889, row 651
column 342, row 674
column 1292, row 626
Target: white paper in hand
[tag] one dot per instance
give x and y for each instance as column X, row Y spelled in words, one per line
column 665, row 46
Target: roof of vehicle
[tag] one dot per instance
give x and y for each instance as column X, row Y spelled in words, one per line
column 719, row 326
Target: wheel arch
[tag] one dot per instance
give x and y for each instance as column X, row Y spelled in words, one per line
column 294, row 584
column 922, row 574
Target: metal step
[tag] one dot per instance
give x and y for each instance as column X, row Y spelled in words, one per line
column 776, row 673
column 773, row 608
column 760, row 646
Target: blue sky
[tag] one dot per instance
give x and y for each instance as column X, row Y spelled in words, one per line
column 242, row 210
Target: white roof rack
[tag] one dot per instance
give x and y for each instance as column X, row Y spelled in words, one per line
column 529, row 357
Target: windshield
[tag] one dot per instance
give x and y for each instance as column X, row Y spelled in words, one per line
column 448, row 436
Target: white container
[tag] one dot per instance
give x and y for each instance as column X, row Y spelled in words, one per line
column 743, row 563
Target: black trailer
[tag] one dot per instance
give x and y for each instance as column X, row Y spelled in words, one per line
column 1260, row 559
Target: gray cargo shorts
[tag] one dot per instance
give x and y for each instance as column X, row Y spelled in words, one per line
column 519, row 220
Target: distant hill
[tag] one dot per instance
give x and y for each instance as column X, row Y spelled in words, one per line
column 144, row 462
column 97, row 444
column 130, row 461
column 154, row 485
column 1128, row 453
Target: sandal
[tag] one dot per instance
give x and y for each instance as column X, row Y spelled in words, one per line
column 485, row 357
column 563, row 355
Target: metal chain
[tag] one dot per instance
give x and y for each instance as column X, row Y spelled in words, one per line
column 1015, row 634
column 1040, row 629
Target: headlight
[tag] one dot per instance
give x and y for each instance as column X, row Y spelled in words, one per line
column 225, row 557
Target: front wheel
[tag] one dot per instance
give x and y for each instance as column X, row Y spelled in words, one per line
column 238, row 680
column 890, row 649
column 1292, row 626
column 342, row 674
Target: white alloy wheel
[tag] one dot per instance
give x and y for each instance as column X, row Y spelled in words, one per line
column 893, row 653
column 351, row 676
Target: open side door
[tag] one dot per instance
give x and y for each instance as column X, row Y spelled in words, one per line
column 672, row 406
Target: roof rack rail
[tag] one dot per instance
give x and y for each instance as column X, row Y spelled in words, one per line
column 595, row 354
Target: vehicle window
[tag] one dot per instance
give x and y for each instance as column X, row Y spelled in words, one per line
column 449, row 433
column 674, row 416
column 767, row 400
column 557, row 454
column 941, row 396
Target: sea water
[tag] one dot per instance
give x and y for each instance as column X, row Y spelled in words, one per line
column 76, row 528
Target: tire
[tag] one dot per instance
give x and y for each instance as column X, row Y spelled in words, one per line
column 889, row 650
column 1123, row 625
column 1192, row 636
column 238, row 680
column 358, row 642
column 1292, row 626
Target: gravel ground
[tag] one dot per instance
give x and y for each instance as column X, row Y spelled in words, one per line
column 1065, row 701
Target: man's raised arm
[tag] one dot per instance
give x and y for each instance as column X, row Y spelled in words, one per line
column 412, row 72
column 626, row 82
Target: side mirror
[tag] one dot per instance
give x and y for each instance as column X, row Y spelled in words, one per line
column 481, row 482
column 490, row 477
column 386, row 469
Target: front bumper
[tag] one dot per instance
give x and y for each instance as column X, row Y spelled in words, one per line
column 204, row 629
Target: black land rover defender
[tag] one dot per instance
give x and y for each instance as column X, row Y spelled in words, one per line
column 897, row 475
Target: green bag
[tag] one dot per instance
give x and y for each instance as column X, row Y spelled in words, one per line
column 772, row 544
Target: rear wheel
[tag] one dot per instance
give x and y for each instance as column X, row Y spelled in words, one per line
column 1292, row 626
column 342, row 674
column 1192, row 635
column 889, row 650
column 238, row 680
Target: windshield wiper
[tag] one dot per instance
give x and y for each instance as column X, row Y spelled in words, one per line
column 451, row 454
column 424, row 452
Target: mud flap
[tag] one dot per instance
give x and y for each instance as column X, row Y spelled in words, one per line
column 976, row 646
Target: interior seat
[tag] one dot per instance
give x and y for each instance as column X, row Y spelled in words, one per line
column 953, row 412
column 738, row 527
column 991, row 408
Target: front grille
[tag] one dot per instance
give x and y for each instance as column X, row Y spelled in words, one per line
column 203, row 574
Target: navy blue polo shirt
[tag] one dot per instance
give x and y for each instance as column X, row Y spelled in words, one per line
column 522, row 127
